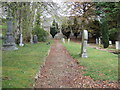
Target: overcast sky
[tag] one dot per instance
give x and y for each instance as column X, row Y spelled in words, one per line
column 59, row 1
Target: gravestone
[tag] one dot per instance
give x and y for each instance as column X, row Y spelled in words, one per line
column 35, row 39
column 99, row 41
column 9, row 40
column 68, row 40
column 117, row 45
column 63, row 40
column 84, row 44
column 96, row 41
column 21, row 40
column 110, row 42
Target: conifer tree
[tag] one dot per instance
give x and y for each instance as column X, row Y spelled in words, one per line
column 105, row 34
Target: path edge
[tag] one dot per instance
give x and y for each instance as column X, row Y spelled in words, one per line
column 40, row 67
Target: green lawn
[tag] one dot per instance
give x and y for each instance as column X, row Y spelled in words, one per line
column 3, row 26
column 21, row 66
column 0, row 42
column 100, row 65
column 3, row 29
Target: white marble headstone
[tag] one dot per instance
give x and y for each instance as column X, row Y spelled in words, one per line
column 117, row 45
column 84, row 44
column 110, row 42
column 96, row 41
column 21, row 40
column 68, row 40
column 63, row 40
column 99, row 41
column 85, row 34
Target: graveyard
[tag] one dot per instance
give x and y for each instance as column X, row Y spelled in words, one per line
column 25, row 64
column 96, row 62
column 60, row 45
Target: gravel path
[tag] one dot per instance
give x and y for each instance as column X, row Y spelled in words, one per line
column 62, row 71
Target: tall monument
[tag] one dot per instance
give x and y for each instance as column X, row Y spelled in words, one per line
column 83, row 53
column 9, row 40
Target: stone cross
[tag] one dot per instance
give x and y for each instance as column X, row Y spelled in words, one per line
column 84, row 44
column 9, row 42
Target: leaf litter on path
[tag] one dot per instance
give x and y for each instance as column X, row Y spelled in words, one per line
column 62, row 71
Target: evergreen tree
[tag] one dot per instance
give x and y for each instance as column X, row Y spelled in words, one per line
column 54, row 29
column 66, row 30
column 105, row 34
column 110, row 11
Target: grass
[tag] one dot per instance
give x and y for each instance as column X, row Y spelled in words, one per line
column 1, row 42
column 3, row 26
column 21, row 66
column 100, row 65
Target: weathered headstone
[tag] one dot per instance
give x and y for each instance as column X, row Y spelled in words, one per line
column 9, row 42
column 99, row 41
column 21, row 40
column 35, row 39
column 96, row 41
column 84, row 44
column 68, row 40
column 117, row 45
column 63, row 40
column 110, row 42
